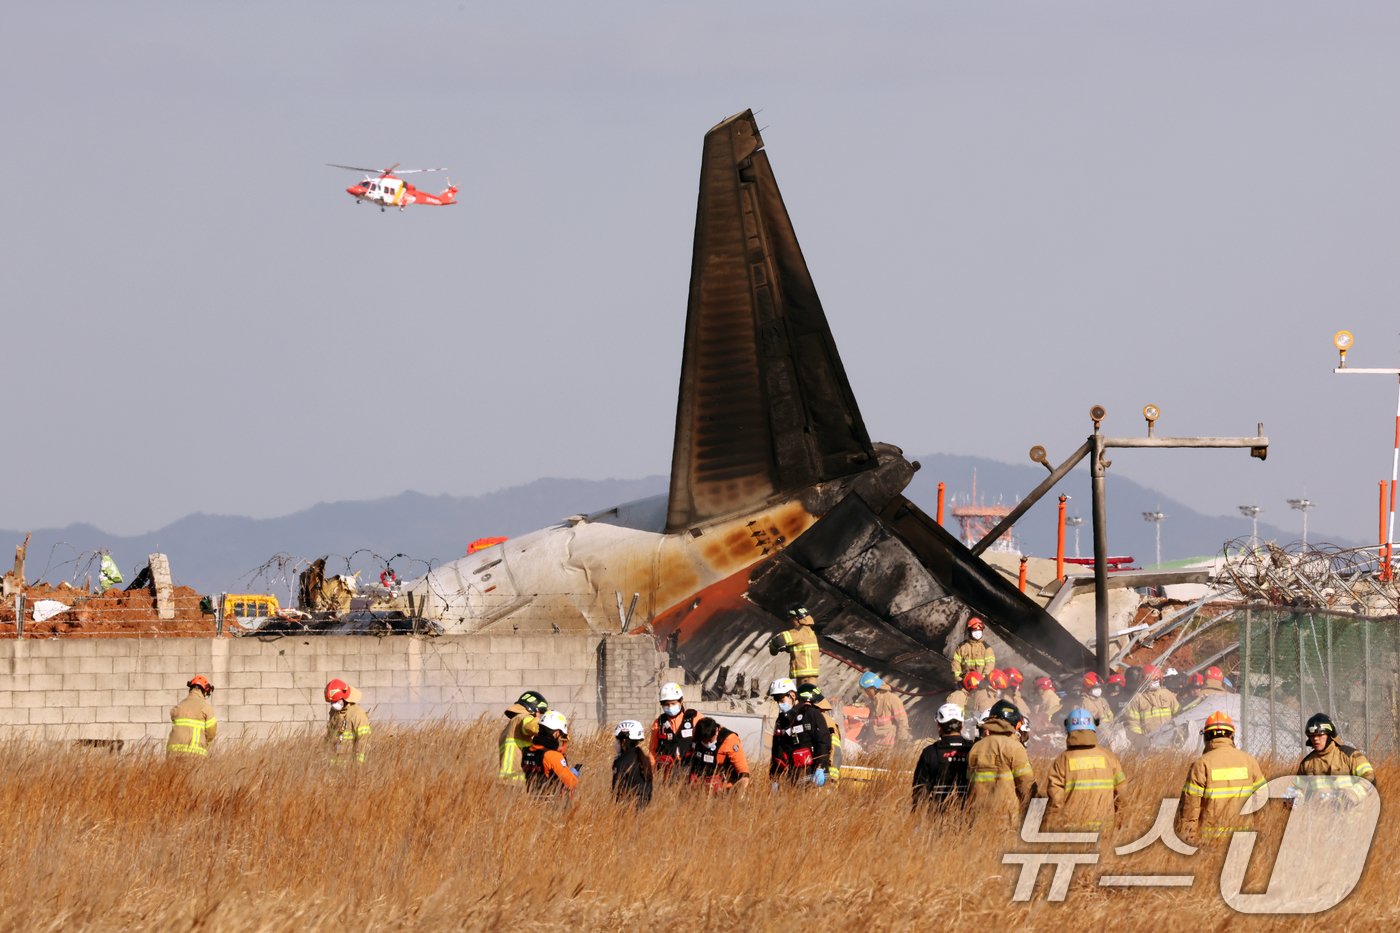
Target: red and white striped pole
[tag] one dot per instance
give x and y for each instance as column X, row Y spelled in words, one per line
column 1394, row 475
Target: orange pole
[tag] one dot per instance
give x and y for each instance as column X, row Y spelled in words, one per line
column 1384, row 551
column 1022, row 582
column 940, row 503
column 1060, row 543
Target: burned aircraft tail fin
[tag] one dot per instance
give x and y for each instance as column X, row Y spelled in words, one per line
column 765, row 407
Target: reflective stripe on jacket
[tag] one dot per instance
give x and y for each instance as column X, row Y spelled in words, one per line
column 193, row 725
column 973, row 656
column 517, row 735
column 1151, row 710
column 347, row 734
column 1338, row 769
column 1217, row 787
column 999, row 772
column 1084, row 787
column 801, row 643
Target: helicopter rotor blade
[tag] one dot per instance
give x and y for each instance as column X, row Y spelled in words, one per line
column 417, row 171
column 355, row 168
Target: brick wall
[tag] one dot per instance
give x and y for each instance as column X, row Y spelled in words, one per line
column 123, row 688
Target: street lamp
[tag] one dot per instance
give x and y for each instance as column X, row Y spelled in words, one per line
column 1302, row 505
column 1156, row 519
column 1253, row 512
column 1074, row 522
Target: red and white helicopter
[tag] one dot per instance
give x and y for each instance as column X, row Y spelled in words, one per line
column 385, row 188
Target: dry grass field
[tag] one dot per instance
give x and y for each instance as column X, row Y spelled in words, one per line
column 269, row 837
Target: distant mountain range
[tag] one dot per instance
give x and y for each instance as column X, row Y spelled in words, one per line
column 224, row 553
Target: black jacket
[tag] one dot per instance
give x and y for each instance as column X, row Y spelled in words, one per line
column 631, row 777
column 942, row 770
column 801, row 743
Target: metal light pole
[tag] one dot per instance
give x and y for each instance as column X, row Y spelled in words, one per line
column 1253, row 512
column 1302, row 505
column 1156, row 519
column 1074, row 521
column 1343, row 341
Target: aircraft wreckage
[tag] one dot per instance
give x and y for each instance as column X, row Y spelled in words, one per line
column 778, row 497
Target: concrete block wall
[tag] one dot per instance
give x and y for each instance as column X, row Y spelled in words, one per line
column 123, row 688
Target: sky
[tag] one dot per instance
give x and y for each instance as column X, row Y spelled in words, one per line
column 1012, row 211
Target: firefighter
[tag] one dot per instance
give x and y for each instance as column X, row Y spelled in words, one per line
column 547, row 770
column 800, row 642
column 801, row 740
column 889, row 722
column 632, row 765
column 718, row 763
column 1085, row 786
column 522, row 722
column 941, row 774
column 192, row 722
column 811, row 693
column 974, row 654
column 1151, row 709
column 987, row 693
column 1212, row 683
column 1047, row 700
column 1347, row 770
column 673, row 732
column 1091, row 698
column 1014, row 679
column 1217, row 785
column 1115, row 691
column 963, row 694
column 347, row 729
column 998, row 769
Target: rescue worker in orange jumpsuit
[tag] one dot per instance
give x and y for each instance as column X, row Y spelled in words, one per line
column 1091, row 698
column 941, row 774
column 974, row 654
column 632, row 766
column 718, row 763
column 522, row 722
column 1218, row 784
column 1346, row 770
column 889, row 721
column 801, row 740
column 673, row 732
column 1151, row 709
column 800, row 642
column 811, row 693
column 192, row 722
column 347, row 729
column 1085, row 786
column 547, row 771
column 998, row 769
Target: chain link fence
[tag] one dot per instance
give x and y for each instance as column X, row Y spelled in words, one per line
column 1296, row 663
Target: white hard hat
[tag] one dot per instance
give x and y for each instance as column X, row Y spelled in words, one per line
column 670, row 692
column 949, row 712
column 554, row 720
column 782, row 687
column 631, row 729
column 983, row 716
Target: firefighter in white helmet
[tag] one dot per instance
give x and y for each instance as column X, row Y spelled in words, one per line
column 547, row 770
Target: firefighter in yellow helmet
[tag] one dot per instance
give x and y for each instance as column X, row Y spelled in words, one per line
column 192, row 722
column 1218, row 784
column 1151, row 709
column 800, row 642
column 347, row 729
column 1344, row 771
column 998, row 770
column 974, row 654
column 522, row 722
